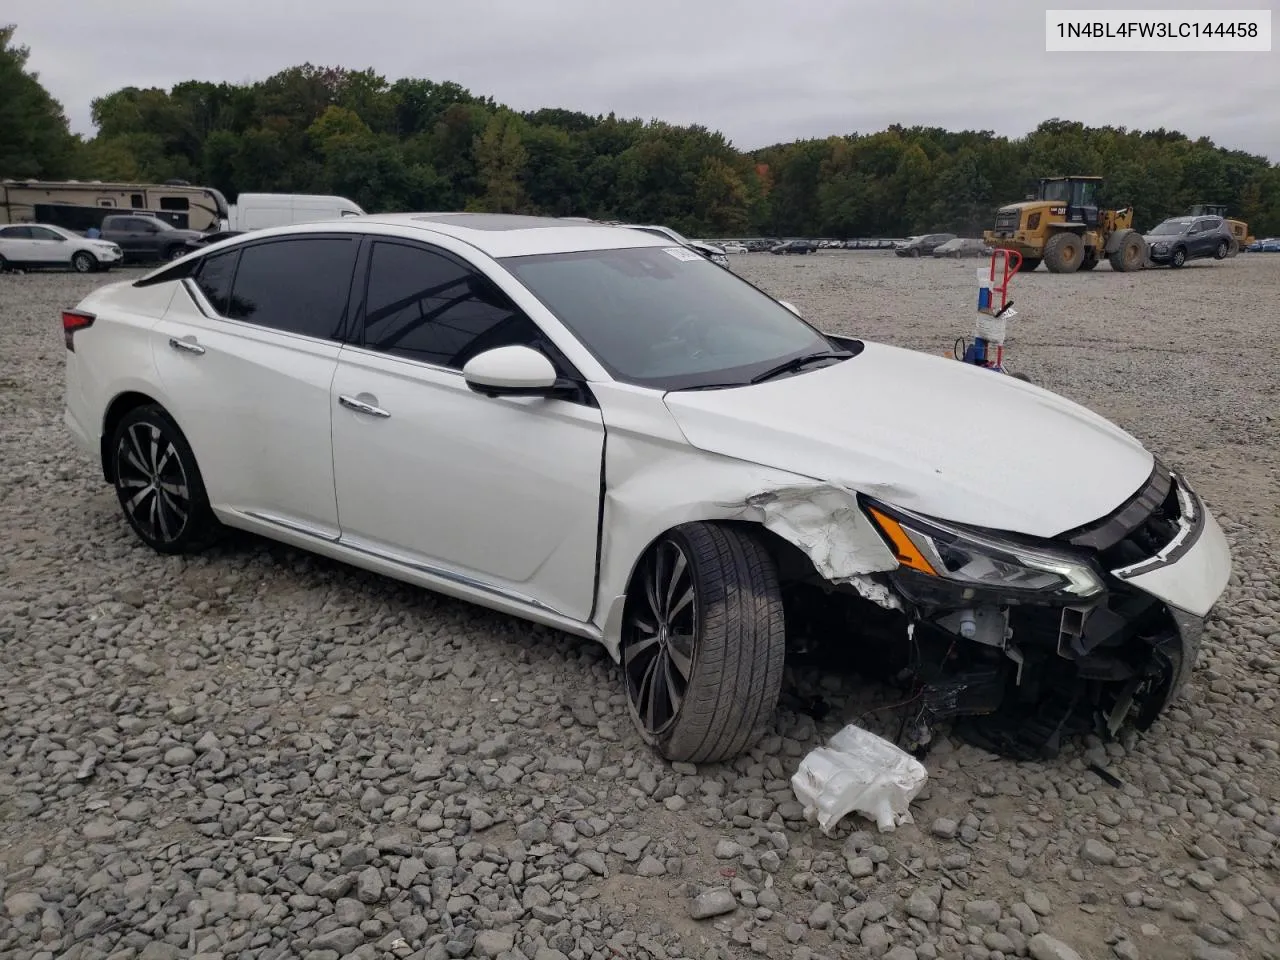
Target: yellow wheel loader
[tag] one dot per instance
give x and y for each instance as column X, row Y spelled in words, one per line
column 1062, row 226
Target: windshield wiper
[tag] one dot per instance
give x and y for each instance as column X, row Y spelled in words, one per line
column 795, row 363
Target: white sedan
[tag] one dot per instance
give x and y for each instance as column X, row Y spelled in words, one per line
column 30, row 245
column 594, row 428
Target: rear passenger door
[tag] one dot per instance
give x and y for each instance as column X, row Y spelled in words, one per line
column 247, row 352
column 16, row 244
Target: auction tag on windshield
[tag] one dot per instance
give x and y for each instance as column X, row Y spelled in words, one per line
column 683, row 253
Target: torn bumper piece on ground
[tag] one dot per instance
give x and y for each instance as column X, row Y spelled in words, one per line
column 858, row 772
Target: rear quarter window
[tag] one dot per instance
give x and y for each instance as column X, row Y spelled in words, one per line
column 214, row 279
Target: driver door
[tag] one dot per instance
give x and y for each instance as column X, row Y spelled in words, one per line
column 499, row 493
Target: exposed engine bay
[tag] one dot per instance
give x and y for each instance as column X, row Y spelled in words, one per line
column 1017, row 670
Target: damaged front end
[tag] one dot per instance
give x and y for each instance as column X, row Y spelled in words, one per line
column 1025, row 641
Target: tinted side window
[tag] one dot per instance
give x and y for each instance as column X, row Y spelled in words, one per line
column 214, row 279
column 428, row 307
column 16, row 233
column 40, row 233
column 298, row 286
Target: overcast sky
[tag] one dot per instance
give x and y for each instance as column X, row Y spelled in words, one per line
column 761, row 71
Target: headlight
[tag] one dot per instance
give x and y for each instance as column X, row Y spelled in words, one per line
column 941, row 550
column 1160, row 246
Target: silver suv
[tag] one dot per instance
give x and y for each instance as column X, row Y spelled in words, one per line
column 1180, row 239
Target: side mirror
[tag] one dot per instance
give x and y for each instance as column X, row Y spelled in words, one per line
column 792, row 307
column 511, row 372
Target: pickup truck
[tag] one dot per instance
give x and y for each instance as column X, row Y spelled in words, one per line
column 148, row 238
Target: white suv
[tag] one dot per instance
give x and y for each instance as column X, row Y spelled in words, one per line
column 28, row 245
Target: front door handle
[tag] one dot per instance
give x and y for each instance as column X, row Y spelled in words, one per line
column 188, row 345
column 359, row 406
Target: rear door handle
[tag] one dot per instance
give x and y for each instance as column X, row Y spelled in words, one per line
column 188, row 345
column 359, row 406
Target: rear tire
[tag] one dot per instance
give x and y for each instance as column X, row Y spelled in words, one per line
column 1130, row 255
column 158, row 483
column 703, row 643
column 1064, row 253
column 1224, row 248
column 83, row 262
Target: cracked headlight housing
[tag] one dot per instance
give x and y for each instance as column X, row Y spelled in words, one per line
column 970, row 559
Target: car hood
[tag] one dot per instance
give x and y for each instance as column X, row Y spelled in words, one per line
column 929, row 434
column 1153, row 238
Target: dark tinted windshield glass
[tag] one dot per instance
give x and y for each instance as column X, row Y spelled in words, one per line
column 666, row 317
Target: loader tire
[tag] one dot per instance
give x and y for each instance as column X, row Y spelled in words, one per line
column 1130, row 255
column 1064, row 253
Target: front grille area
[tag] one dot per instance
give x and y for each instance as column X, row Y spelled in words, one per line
column 1007, row 220
column 1139, row 528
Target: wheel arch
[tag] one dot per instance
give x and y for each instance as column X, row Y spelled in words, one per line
column 807, row 527
column 117, row 410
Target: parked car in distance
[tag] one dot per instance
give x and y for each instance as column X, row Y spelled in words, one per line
column 427, row 396
column 1265, row 245
column 922, row 245
column 710, row 251
column 1180, row 239
column 794, row 246
column 962, row 247
column 28, row 246
column 146, row 238
column 734, row 247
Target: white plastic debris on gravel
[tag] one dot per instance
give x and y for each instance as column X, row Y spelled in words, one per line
column 858, row 772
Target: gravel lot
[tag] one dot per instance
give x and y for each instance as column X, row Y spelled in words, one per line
column 450, row 782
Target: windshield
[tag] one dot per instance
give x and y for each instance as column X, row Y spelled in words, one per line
column 1169, row 228
column 1058, row 190
column 665, row 317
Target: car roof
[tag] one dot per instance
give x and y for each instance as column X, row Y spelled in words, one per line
column 496, row 234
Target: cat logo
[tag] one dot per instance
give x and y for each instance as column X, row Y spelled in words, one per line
column 1058, row 211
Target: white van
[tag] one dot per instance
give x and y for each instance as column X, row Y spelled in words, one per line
column 257, row 211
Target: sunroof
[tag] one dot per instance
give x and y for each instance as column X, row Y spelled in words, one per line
column 497, row 221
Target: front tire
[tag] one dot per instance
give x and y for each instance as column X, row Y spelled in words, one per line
column 1130, row 254
column 703, row 643
column 83, row 262
column 158, row 483
column 1179, row 258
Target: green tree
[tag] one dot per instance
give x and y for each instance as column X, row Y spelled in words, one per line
column 35, row 140
column 500, row 159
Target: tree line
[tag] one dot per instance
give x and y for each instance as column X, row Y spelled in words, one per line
column 415, row 144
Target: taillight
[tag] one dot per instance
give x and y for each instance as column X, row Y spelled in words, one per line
column 73, row 320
